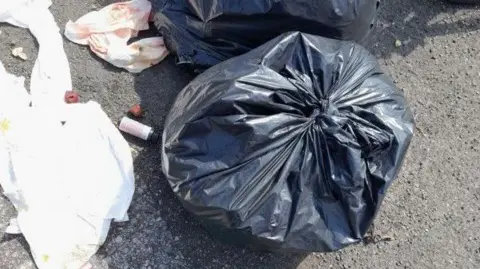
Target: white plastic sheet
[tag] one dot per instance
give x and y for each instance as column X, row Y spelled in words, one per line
column 66, row 168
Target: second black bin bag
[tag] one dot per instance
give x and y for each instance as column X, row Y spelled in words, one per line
column 290, row 147
column 205, row 32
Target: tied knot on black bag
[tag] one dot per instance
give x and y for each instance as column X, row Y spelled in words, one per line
column 320, row 110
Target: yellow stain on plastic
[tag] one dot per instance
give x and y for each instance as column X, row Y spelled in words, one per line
column 45, row 258
column 4, row 126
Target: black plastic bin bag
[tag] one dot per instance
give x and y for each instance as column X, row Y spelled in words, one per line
column 290, row 147
column 206, row 32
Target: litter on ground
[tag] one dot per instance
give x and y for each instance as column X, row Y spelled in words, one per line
column 65, row 167
column 18, row 52
column 108, row 30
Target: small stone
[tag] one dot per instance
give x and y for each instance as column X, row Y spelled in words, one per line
column 388, row 238
column 398, row 43
column 177, row 238
column 118, row 239
column 136, row 241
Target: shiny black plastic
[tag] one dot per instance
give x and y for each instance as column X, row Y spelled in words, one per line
column 290, row 147
column 206, row 32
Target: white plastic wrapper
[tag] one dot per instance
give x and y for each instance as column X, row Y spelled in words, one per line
column 66, row 168
column 108, row 30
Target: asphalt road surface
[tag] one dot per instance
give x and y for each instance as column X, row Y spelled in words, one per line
column 431, row 216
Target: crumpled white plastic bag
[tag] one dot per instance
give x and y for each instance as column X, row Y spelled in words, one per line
column 66, row 168
column 67, row 181
column 108, row 30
